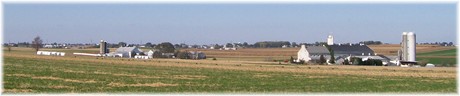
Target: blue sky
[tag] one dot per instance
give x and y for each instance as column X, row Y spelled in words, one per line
column 221, row 23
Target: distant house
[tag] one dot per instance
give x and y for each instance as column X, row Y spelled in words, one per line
column 126, row 52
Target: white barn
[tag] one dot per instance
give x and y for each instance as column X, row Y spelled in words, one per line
column 303, row 54
column 127, row 52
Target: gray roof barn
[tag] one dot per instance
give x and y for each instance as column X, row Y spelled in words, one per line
column 128, row 49
column 355, row 50
column 317, row 50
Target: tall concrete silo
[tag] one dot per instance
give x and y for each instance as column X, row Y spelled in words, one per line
column 330, row 40
column 404, row 53
column 103, row 47
column 408, row 46
column 411, row 43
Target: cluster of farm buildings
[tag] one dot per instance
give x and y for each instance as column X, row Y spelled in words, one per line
column 135, row 52
column 343, row 54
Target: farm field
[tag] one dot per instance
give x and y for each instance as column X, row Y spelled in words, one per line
column 25, row 72
column 392, row 49
column 441, row 57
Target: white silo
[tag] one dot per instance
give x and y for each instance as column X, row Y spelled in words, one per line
column 103, row 47
column 404, row 53
column 330, row 40
column 411, row 43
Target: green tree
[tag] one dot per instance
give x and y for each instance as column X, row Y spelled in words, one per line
column 37, row 43
column 245, row 44
column 346, row 62
column 122, row 44
column 148, row 45
column 322, row 60
column 378, row 62
column 356, row 61
column 165, row 47
column 332, row 59
column 294, row 44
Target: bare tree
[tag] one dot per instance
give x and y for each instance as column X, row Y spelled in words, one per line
column 9, row 47
column 37, row 43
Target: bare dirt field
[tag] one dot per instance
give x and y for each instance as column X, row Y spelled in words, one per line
column 392, row 49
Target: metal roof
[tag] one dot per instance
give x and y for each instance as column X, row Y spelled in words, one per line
column 352, row 50
column 128, row 49
column 317, row 50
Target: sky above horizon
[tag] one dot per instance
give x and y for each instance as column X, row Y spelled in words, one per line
column 224, row 23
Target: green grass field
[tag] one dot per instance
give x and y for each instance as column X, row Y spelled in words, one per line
column 451, row 52
column 439, row 61
column 57, row 76
column 439, row 58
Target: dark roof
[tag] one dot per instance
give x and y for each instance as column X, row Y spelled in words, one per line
column 352, row 50
column 317, row 50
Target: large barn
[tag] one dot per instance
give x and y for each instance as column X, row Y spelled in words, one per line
column 313, row 53
column 126, row 52
column 352, row 50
